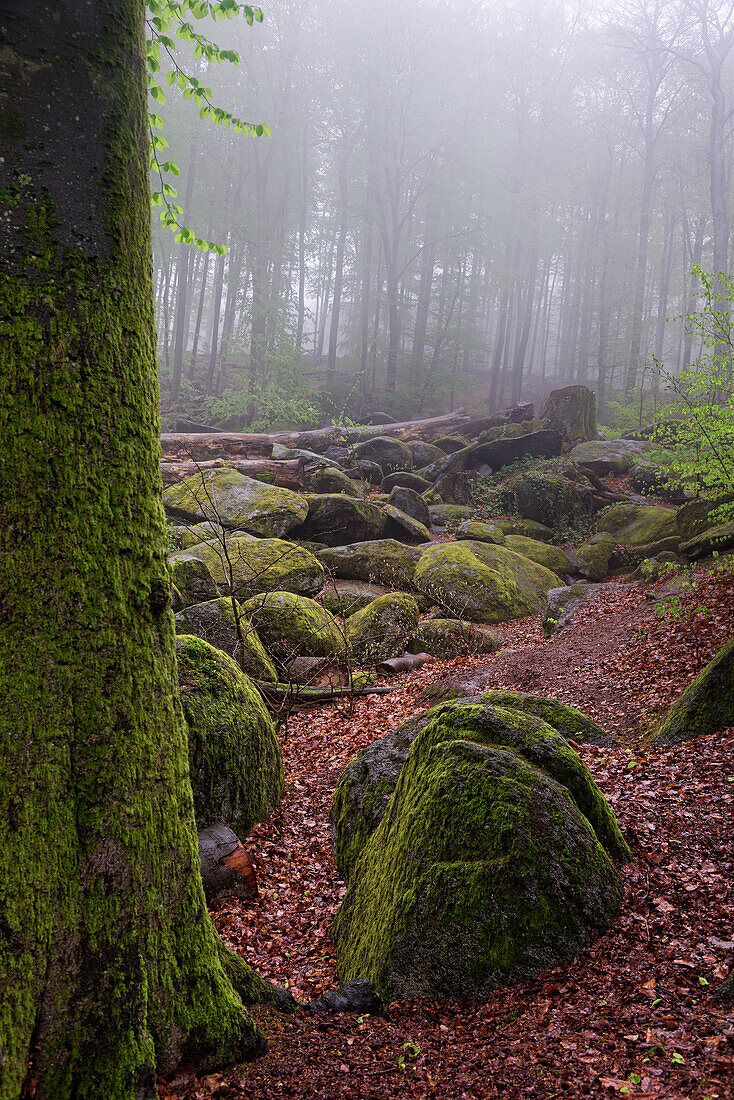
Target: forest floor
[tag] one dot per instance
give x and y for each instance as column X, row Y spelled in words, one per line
column 634, row 1014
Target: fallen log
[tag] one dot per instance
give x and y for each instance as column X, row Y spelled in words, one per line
column 259, row 445
column 288, row 473
column 406, row 663
column 301, row 694
column 226, row 868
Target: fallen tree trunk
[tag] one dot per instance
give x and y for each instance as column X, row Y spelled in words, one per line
column 259, row 445
column 288, row 474
column 226, row 868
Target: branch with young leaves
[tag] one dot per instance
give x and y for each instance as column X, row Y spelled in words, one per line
column 169, row 22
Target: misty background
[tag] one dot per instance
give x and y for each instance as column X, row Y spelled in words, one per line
column 461, row 203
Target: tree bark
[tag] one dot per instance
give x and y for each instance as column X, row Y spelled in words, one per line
column 110, row 967
column 182, row 297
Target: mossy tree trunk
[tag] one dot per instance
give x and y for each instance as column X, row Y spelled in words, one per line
column 110, row 968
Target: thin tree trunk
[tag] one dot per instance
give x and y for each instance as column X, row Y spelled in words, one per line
column 182, row 300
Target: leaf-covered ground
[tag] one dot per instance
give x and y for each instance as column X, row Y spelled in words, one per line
column 632, row 1016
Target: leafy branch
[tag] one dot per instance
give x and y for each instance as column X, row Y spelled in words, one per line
column 169, row 22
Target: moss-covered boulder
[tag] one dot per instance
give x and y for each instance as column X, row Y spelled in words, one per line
column 382, row 629
column 450, row 444
column 236, row 502
column 563, row 603
column 191, row 579
column 234, row 756
column 447, row 638
column 594, row 555
column 483, row 582
column 610, row 456
column 249, row 566
column 447, row 515
column 344, row 598
column 398, row 525
column 491, row 860
column 215, row 622
column 192, row 534
column 529, row 528
column 474, row 531
column 698, row 515
column 335, row 519
column 328, row 479
column 389, row 454
column 706, row 705
column 568, row 721
column 572, row 412
column 404, row 479
column 423, row 454
column 552, row 557
column 716, row 539
column 294, row 626
column 377, row 561
column 553, row 500
column 638, row 524
column 411, row 503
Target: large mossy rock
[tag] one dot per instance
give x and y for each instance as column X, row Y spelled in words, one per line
column 344, row 598
column 236, row 502
column 389, row 454
column 406, row 480
column 411, row 503
column 382, row 629
column 328, row 479
column 447, row 515
column 529, row 528
column 483, row 582
column 258, row 565
column 490, row 862
column 294, row 626
column 572, row 412
column 399, row 525
column 638, row 524
column 594, row 556
column 552, row 557
column 191, row 579
column 699, row 515
column 234, row 755
column 610, row 456
column 706, row 705
column 215, row 622
column 713, row 540
column 377, row 561
column 475, row 531
column 423, row 454
column 563, row 603
column 447, row 638
column 553, row 500
column 335, row 519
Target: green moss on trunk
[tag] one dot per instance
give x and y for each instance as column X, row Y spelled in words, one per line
column 110, row 966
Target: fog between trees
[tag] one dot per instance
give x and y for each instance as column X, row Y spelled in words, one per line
column 460, row 202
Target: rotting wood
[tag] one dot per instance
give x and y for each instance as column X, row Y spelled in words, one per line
column 288, row 473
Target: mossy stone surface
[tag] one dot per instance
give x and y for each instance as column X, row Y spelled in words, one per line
column 491, row 860
column 552, row 557
column 382, row 629
column 295, row 626
column 191, row 579
column 562, row 604
column 706, row 705
column 447, row 638
column 594, row 555
column 389, row 454
column 378, row 561
column 553, row 500
column 568, row 721
column 610, row 456
column 335, row 519
column 192, row 534
column 401, row 526
column 443, row 515
column 344, row 598
column 410, row 502
column 475, row 531
column 236, row 502
column 638, row 524
column 328, row 479
column 529, row 528
column 214, row 621
column 711, row 540
column 483, row 582
column 258, row 565
column 423, row 454
column 234, row 756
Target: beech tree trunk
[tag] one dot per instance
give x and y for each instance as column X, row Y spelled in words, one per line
column 110, row 968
